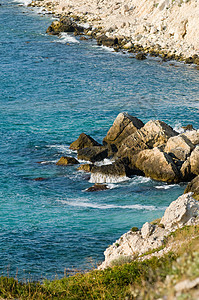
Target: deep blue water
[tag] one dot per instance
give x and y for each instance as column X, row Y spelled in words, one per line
column 50, row 92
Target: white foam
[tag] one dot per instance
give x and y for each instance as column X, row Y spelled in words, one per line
column 140, row 180
column 61, row 148
column 178, row 127
column 165, row 187
column 109, row 206
column 23, row 2
column 64, row 38
column 48, row 162
column 104, row 162
column 102, row 178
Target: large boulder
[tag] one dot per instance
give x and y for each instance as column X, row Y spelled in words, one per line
column 179, row 146
column 152, row 134
column 83, row 141
column 156, row 164
column 123, row 126
column 185, row 171
column 183, row 211
column 194, row 161
column 111, row 173
column 65, row 24
column 193, row 136
column 193, row 187
column 93, row 154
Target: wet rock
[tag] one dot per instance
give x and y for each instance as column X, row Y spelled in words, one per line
column 93, row 154
column 193, row 187
column 111, row 173
column 67, row 160
column 86, row 167
column 97, row 187
column 188, row 127
column 65, row 24
column 123, row 126
column 105, row 41
column 152, row 134
column 156, row 164
column 180, row 146
column 140, row 56
column 83, row 141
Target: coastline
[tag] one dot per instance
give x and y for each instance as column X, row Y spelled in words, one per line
column 168, row 29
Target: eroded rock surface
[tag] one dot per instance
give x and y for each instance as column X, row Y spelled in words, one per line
column 123, row 126
column 193, row 187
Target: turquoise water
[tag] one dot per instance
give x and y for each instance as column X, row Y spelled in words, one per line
column 50, row 93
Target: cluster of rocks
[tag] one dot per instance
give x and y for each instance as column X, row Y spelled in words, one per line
column 153, row 149
column 166, row 28
column 136, row 243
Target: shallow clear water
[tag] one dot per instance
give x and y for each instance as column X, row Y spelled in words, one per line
column 50, row 93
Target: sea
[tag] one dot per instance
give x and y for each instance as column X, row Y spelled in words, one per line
column 53, row 88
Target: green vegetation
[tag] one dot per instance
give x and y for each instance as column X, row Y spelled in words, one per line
column 149, row 279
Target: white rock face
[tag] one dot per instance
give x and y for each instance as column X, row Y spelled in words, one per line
column 181, row 212
column 174, row 25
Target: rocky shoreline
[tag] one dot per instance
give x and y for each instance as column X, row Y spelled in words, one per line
column 153, row 150
column 168, row 29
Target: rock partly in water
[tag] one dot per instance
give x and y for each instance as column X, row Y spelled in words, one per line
column 156, row 164
column 67, row 160
column 65, row 24
column 140, row 56
column 86, row 167
column 193, row 187
column 93, row 154
column 112, row 173
column 183, row 211
column 152, row 134
column 106, row 41
column 194, row 161
column 83, row 141
column 123, row 126
column 179, row 146
column 97, row 187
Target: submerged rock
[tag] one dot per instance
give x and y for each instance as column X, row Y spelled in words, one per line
column 67, row 160
column 193, row 187
column 93, row 154
column 39, row 179
column 97, row 187
column 123, row 126
column 83, row 141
